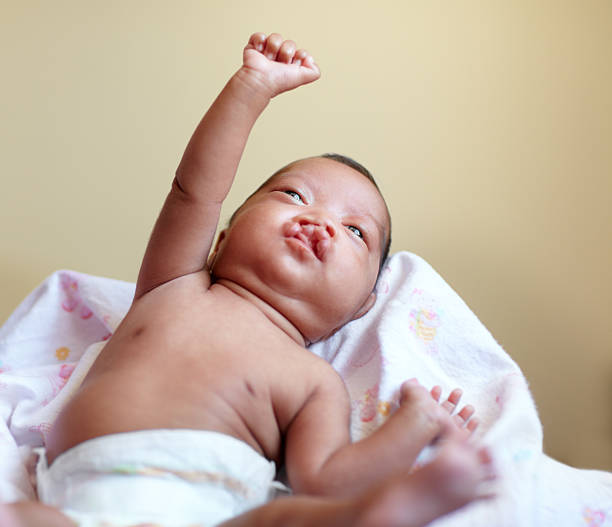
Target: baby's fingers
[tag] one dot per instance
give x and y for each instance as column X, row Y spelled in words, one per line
column 453, row 400
column 273, row 45
column 286, row 52
column 464, row 415
column 463, row 418
column 472, row 425
column 302, row 58
column 257, row 42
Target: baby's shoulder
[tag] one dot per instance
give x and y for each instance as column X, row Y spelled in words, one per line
column 319, row 378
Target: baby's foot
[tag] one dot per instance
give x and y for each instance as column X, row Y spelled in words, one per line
column 459, row 474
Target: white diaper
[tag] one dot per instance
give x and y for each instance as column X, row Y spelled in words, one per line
column 174, row 478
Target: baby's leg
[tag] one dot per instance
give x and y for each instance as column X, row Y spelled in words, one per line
column 453, row 479
column 32, row 514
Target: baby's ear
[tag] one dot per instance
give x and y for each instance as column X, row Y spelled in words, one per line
column 213, row 255
column 366, row 306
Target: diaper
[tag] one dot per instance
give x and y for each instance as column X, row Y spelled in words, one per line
column 172, row 478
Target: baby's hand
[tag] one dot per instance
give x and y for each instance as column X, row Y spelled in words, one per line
column 463, row 419
column 276, row 65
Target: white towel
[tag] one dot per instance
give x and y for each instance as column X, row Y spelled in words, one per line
column 419, row 327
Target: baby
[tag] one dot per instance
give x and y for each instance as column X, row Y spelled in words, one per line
column 207, row 385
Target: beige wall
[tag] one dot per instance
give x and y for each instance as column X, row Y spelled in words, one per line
column 488, row 124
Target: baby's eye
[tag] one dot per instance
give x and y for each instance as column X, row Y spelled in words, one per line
column 294, row 195
column 355, row 230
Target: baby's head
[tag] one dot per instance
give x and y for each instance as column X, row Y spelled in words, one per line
column 310, row 241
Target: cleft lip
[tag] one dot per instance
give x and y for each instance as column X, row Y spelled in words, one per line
column 311, row 237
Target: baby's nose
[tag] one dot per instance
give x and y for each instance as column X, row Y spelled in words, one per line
column 317, row 228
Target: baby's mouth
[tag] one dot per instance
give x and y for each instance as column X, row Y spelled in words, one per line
column 313, row 238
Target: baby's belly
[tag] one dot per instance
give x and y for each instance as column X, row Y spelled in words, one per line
column 113, row 402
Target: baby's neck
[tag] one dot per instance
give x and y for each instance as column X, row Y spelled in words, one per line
column 273, row 315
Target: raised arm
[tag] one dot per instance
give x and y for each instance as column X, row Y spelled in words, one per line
column 321, row 459
column 184, row 231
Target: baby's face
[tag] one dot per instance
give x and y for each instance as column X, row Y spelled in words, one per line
column 309, row 243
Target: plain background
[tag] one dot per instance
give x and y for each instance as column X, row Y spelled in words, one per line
column 488, row 125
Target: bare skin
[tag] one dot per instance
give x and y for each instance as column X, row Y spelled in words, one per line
column 299, row 260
